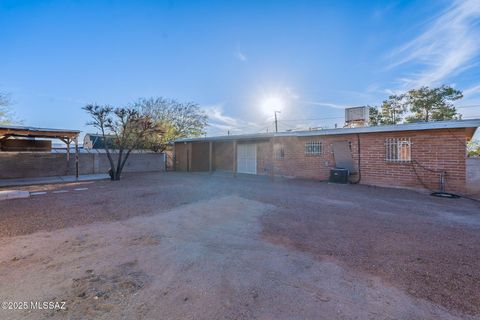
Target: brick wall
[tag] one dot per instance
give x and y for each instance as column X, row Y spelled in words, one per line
column 437, row 150
column 264, row 157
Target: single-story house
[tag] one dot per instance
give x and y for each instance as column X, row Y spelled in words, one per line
column 423, row 155
column 96, row 141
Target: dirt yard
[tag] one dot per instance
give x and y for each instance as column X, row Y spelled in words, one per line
column 194, row 246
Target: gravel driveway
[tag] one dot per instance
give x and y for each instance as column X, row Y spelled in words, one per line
column 194, row 246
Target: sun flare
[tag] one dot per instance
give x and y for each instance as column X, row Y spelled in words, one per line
column 271, row 104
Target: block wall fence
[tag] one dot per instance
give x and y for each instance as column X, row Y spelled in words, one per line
column 39, row 164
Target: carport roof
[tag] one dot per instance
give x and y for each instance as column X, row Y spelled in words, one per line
column 452, row 124
column 21, row 131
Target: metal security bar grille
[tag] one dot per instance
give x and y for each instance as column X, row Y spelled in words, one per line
column 313, row 148
column 398, row 150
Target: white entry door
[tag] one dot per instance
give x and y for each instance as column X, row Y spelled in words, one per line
column 247, row 158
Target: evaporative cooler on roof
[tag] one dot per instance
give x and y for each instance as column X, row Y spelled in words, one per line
column 356, row 117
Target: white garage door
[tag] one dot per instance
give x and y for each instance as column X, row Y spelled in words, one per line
column 247, row 158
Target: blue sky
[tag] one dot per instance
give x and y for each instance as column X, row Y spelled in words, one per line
column 310, row 59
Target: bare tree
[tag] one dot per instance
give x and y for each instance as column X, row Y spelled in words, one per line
column 130, row 129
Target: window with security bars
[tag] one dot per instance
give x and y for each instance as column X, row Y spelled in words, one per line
column 313, row 148
column 398, row 150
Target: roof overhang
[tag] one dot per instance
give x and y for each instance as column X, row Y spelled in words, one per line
column 417, row 126
column 33, row 132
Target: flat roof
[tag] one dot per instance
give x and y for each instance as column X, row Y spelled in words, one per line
column 451, row 124
column 22, row 131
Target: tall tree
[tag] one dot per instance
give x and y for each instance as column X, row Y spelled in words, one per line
column 374, row 116
column 433, row 104
column 130, row 128
column 393, row 109
column 179, row 119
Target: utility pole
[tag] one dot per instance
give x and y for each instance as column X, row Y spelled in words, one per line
column 276, row 123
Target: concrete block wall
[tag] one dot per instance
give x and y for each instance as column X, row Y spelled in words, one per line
column 473, row 176
column 223, row 156
column 182, row 156
column 37, row 164
column 200, row 156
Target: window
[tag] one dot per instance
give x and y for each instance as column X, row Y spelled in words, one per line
column 313, row 148
column 398, row 150
column 279, row 152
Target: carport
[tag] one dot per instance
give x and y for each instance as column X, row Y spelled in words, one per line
column 66, row 136
column 228, row 154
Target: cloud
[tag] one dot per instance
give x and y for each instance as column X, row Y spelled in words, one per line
column 470, row 104
column 448, row 46
column 215, row 114
column 325, row 104
column 219, row 123
column 240, row 55
column 472, row 91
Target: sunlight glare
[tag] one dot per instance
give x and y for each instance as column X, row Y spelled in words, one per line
column 271, row 104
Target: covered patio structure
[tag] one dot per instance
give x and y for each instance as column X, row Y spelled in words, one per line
column 66, row 136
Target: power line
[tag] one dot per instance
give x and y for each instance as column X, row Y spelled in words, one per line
column 314, row 119
column 255, row 127
column 470, row 106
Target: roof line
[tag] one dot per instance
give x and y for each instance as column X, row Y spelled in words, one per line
column 33, row 129
column 451, row 124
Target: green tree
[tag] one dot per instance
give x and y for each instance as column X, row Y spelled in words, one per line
column 393, row 109
column 179, row 119
column 433, row 104
column 374, row 116
column 473, row 148
column 130, row 129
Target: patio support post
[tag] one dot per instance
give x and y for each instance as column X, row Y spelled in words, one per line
column 67, row 142
column 272, row 162
column 210, row 157
column 189, row 156
column 234, row 158
column 76, row 156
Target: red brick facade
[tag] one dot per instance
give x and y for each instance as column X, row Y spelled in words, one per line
column 436, row 150
column 432, row 151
